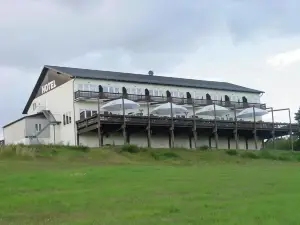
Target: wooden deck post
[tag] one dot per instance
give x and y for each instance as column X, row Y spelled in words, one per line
column 124, row 122
column 236, row 130
column 149, row 125
column 291, row 132
column 254, row 130
column 100, row 142
column 194, row 125
column 273, row 129
column 78, row 141
column 172, row 125
column 216, row 128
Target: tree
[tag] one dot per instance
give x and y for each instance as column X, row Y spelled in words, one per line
column 297, row 116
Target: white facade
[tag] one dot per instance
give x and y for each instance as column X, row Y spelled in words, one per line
column 60, row 101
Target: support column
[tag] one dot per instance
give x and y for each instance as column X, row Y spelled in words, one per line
column 228, row 142
column 254, row 130
column 54, row 134
column 291, row 132
column 194, row 126
column 216, row 128
column 262, row 143
column 124, row 122
column 172, row 126
column 100, row 142
column 149, row 126
column 273, row 129
column 78, row 143
column 236, row 130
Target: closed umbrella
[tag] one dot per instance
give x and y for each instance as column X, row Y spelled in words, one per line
column 165, row 109
column 209, row 110
column 117, row 105
column 248, row 113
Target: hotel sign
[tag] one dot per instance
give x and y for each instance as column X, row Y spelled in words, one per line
column 51, row 81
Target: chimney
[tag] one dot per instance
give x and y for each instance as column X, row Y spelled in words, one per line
column 151, row 73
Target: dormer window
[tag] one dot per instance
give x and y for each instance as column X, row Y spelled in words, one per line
column 33, row 106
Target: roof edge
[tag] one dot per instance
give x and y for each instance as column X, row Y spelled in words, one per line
column 254, row 91
column 35, row 89
column 57, row 68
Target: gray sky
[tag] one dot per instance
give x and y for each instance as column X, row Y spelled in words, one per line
column 251, row 42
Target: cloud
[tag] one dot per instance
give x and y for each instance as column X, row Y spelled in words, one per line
column 197, row 39
column 284, row 59
column 49, row 32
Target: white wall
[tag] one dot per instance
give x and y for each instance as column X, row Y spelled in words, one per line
column 162, row 141
column 195, row 92
column 198, row 93
column 14, row 132
column 59, row 101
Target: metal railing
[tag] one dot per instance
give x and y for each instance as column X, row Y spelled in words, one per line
column 80, row 95
column 183, row 122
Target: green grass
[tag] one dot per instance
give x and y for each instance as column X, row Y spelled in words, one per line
column 59, row 185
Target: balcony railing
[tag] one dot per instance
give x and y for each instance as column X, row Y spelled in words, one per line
column 84, row 95
column 183, row 122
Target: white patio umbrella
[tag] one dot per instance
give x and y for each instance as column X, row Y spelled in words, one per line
column 209, row 111
column 165, row 109
column 248, row 113
column 116, row 105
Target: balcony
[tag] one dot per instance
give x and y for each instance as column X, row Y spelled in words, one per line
column 92, row 96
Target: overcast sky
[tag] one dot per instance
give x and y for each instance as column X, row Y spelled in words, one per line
column 253, row 43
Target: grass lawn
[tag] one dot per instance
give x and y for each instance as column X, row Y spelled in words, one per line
column 103, row 187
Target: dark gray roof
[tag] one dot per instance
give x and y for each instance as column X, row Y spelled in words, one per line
column 141, row 78
column 136, row 78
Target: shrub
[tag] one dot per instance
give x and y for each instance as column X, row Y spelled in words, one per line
column 267, row 155
column 250, row 155
column 232, row 152
column 130, row 148
column 204, row 148
column 164, row 155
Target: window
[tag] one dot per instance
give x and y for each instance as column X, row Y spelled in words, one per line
column 151, row 92
column 161, row 93
column 85, row 113
column 86, row 87
column 67, row 118
column 174, row 94
column 70, row 121
column 105, row 89
column 94, row 88
column 139, row 91
column 82, row 114
column 117, row 90
column 38, row 127
column 155, row 92
column 133, row 91
column 181, row 94
column 34, row 106
column 88, row 113
column 111, row 89
column 80, row 87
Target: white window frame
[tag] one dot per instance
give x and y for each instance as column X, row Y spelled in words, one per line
column 38, row 127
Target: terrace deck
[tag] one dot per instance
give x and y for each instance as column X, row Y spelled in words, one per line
column 263, row 128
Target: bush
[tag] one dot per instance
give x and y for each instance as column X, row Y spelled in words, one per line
column 264, row 154
column 232, row 152
column 130, row 148
column 204, row 148
column 250, row 155
column 164, row 155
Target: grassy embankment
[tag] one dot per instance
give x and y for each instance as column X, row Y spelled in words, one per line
column 67, row 185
